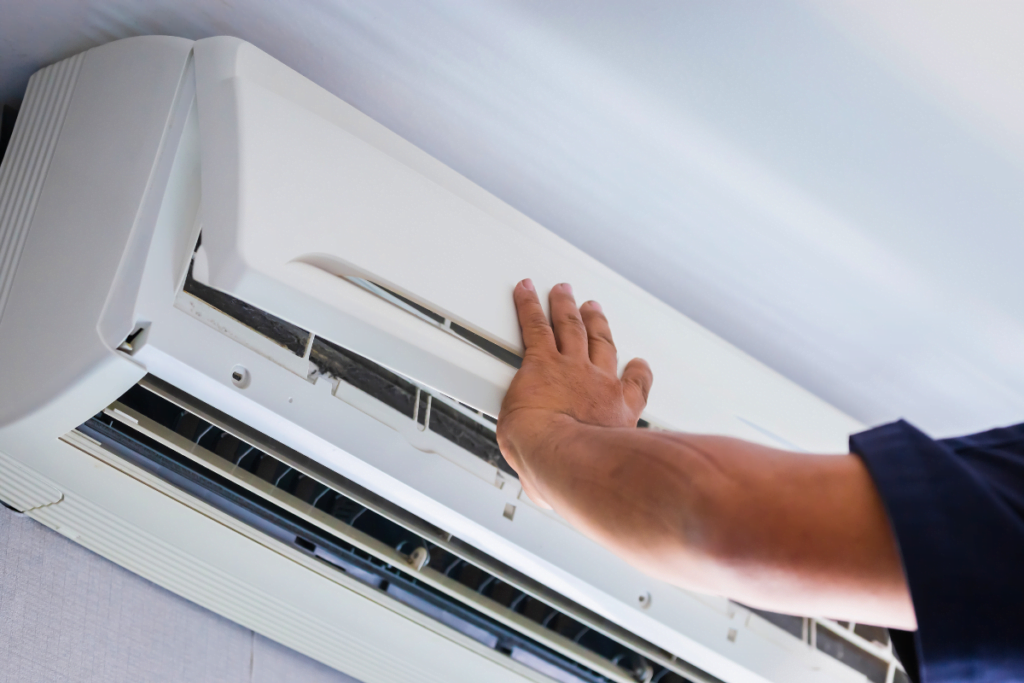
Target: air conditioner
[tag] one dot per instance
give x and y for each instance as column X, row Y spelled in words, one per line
column 252, row 346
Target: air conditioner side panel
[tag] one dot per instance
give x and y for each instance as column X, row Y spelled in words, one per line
column 82, row 164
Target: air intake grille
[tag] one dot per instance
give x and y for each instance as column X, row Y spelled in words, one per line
column 444, row 419
column 458, row 423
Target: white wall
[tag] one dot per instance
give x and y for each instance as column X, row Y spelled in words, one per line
column 67, row 614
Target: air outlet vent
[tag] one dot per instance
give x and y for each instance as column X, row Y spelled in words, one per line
column 367, row 538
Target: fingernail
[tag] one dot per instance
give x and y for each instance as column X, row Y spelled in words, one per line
column 528, row 284
column 594, row 305
column 567, row 287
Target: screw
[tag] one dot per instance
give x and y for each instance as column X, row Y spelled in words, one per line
column 419, row 558
column 240, row 376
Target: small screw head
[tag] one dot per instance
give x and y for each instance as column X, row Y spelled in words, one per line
column 419, row 558
column 644, row 600
column 240, row 376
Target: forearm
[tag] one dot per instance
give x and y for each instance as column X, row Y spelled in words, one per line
column 780, row 530
column 643, row 494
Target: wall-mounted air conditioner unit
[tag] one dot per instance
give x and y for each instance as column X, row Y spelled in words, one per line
column 252, row 346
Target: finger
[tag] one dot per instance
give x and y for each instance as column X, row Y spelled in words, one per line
column 599, row 337
column 537, row 333
column 637, row 379
column 570, row 333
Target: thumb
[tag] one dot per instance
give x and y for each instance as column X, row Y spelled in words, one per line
column 637, row 379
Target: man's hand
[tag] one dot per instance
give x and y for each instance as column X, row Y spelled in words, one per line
column 569, row 377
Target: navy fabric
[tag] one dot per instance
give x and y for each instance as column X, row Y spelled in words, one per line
column 957, row 510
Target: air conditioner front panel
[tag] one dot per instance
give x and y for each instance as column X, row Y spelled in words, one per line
column 300, row 192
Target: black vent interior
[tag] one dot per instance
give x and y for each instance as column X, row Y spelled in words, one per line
column 436, row 317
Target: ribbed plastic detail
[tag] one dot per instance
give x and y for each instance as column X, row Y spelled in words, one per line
column 28, row 158
column 139, row 552
column 23, row 489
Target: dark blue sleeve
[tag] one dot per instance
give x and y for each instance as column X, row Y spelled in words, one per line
column 957, row 509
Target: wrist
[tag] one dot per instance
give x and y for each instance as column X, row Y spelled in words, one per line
column 547, row 451
column 539, row 431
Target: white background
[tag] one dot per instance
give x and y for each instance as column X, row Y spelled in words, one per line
column 835, row 187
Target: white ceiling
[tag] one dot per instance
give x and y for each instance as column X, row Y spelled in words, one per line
column 835, row 187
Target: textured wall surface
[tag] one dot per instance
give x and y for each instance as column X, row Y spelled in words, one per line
column 67, row 614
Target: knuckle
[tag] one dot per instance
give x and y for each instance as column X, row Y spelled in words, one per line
column 572, row 320
column 537, row 320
